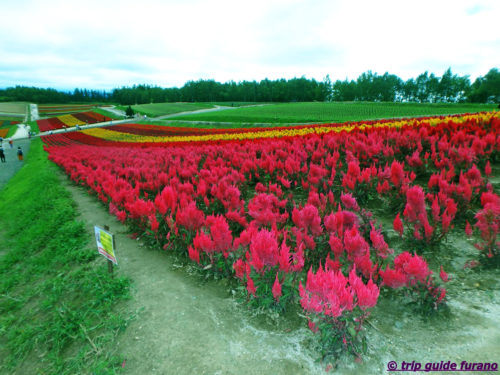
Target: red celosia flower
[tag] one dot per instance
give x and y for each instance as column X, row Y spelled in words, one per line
column 442, row 294
column 221, row 234
column 265, row 209
column 349, row 202
column 341, row 220
column 276, row 289
column 355, row 244
column 468, row 229
column 239, row 268
column 284, row 257
column 190, row 217
column 436, row 209
column 336, row 245
column 251, row 287
column 203, row 242
column 393, row 278
column 312, row 326
column 367, row 295
column 308, row 219
column 331, row 265
column 415, row 204
column 398, row 225
column 264, row 250
column 414, row 161
column 379, row 243
column 153, row 223
column 429, row 229
column 397, row 173
column 487, row 169
column 417, row 267
column 443, row 275
column 194, row 254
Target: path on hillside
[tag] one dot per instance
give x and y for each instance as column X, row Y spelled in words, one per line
column 215, row 109
column 12, row 164
column 114, row 110
column 184, row 326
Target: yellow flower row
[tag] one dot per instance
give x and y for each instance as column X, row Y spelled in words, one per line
column 278, row 132
column 70, row 120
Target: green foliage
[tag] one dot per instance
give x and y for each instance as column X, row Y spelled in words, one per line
column 336, row 336
column 57, row 299
column 486, row 89
column 129, row 112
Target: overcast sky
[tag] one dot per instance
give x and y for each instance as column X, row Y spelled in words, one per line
column 107, row 44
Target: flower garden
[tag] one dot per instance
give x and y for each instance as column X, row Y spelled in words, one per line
column 297, row 215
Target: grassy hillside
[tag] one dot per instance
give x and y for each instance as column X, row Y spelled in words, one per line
column 333, row 112
column 56, row 297
column 161, row 109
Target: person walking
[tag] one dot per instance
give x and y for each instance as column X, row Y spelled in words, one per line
column 11, row 143
column 2, row 155
column 20, row 153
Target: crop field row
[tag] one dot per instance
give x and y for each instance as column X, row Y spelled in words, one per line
column 58, row 109
column 332, row 112
column 14, row 108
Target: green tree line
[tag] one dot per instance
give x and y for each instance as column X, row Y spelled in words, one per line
column 369, row 86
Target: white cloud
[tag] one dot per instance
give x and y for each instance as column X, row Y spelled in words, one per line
column 105, row 44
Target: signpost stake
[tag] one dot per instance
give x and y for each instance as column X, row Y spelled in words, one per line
column 110, row 263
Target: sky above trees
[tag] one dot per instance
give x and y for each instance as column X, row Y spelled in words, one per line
column 108, row 44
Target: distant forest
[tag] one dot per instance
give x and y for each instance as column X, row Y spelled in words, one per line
column 426, row 88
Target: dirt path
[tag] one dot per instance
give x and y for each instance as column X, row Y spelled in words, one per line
column 114, row 110
column 184, row 326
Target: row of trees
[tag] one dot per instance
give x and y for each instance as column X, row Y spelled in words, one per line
column 426, row 88
column 293, row 90
column 42, row 96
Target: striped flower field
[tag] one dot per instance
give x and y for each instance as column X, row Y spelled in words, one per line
column 292, row 214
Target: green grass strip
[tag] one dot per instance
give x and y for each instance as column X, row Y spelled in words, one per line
column 12, row 131
column 57, row 300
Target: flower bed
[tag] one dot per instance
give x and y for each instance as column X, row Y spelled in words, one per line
column 63, row 121
column 285, row 211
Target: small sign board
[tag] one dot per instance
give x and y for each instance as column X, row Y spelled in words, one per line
column 105, row 244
